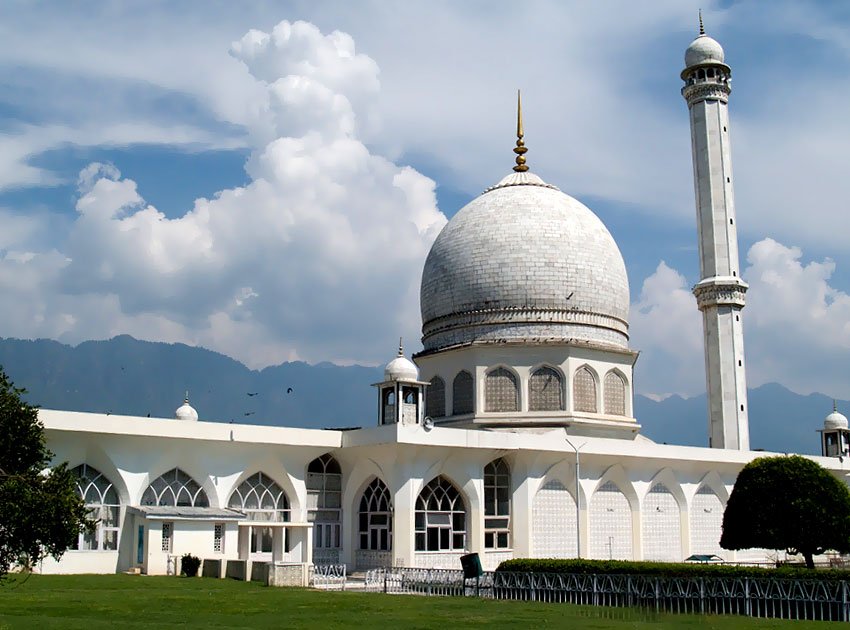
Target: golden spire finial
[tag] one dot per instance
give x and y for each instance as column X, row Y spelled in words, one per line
column 400, row 348
column 701, row 27
column 519, row 149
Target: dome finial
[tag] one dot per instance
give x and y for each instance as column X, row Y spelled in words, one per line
column 186, row 399
column 701, row 27
column 520, row 149
column 400, row 348
column 834, row 405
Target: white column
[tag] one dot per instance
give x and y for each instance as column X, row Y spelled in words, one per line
column 720, row 292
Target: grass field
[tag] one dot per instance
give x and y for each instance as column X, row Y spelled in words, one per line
column 129, row 602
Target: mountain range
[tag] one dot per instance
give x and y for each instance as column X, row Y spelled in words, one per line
column 127, row 376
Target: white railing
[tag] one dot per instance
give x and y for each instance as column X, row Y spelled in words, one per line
column 330, row 577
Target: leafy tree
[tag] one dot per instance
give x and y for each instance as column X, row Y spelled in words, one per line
column 41, row 513
column 790, row 503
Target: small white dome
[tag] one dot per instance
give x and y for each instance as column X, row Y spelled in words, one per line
column 401, row 368
column 186, row 412
column 835, row 420
column 702, row 50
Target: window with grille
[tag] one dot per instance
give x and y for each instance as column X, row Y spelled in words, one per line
column 435, row 398
column 175, row 488
column 440, row 517
column 104, row 508
column 661, row 526
column 545, row 390
column 615, row 394
column 500, row 391
column 324, row 501
column 497, row 505
column 462, row 398
column 166, row 537
column 376, row 517
column 584, row 391
column 218, row 538
column 610, row 524
column 260, row 498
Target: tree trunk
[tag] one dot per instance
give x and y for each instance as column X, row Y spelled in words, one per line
column 810, row 563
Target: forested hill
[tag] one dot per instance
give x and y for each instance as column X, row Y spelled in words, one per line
column 127, row 376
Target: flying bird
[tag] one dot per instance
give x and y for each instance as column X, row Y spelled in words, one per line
column 288, row 390
column 253, row 394
column 249, row 413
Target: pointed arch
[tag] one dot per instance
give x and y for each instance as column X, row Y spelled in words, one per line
column 324, row 505
column 376, row 517
column 501, row 390
column 497, row 505
column 614, row 391
column 104, row 507
column 553, row 521
column 260, row 498
column 706, row 517
column 612, row 508
column 585, row 390
column 661, row 524
column 435, row 398
column 463, row 394
column 175, row 488
column 440, row 520
column 546, row 389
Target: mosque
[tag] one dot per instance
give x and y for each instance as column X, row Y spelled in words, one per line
column 511, row 434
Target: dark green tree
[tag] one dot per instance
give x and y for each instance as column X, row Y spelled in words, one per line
column 41, row 513
column 789, row 503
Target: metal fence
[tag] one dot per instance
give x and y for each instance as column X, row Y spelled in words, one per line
column 330, row 577
column 784, row 598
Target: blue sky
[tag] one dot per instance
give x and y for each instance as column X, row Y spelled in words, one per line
column 269, row 189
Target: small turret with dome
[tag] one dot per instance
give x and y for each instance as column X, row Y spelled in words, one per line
column 186, row 411
column 704, row 49
column 401, row 393
column 835, row 435
column 401, row 368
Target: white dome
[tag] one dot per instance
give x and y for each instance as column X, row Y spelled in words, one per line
column 401, row 369
column 186, row 412
column 524, row 262
column 702, row 50
column 835, row 420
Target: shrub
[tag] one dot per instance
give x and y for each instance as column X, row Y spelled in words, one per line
column 663, row 569
column 189, row 565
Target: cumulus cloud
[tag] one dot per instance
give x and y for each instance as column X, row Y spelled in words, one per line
column 797, row 326
column 314, row 258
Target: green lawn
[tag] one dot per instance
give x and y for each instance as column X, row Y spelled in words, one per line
column 127, row 602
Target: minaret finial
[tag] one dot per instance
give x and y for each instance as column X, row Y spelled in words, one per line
column 186, row 400
column 701, row 27
column 520, row 149
column 834, row 405
column 400, row 348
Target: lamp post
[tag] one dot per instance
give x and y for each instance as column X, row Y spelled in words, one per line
column 578, row 500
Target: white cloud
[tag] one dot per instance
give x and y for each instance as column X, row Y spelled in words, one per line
column 314, row 258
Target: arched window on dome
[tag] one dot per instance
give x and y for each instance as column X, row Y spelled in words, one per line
column 500, row 391
column 462, row 394
column 103, row 506
column 324, row 506
column 261, row 499
column 497, row 505
column 175, row 488
column 545, row 390
column 435, row 398
column 376, row 517
column 615, row 394
column 440, row 519
column 584, row 390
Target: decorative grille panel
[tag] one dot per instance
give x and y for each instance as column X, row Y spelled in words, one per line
column 584, row 391
column 218, row 538
column 662, row 533
column 166, row 537
column 435, row 398
column 615, row 394
column 553, row 520
column 610, row 524
column 501, row 392
column 706, row 523
column 545, row 391
column 462, row 394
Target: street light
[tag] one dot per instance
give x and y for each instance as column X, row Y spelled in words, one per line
column 578, row 471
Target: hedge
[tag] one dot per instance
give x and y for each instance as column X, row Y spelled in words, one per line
column 665, row 569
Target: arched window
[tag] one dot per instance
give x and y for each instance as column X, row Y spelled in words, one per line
column 615, row 394
column 497, row 505
column 462, row 394
column 324, row 501
column 545, row 390
column 584, row 391
column 260, row 499
column 175, row 488
column 103, row 505
column 440, row 517
column 662, row 532
column 706, row 522
column 500, row 391
column 610, row 524
column 553, row 522
column 388, row 398
column 376, row 517
column 435, row 398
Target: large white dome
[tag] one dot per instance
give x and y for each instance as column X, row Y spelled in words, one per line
column 524, row 262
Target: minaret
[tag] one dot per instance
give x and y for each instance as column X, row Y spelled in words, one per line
column 720, row 291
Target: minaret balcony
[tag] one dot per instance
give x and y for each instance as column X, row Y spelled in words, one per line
column 720, row 291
